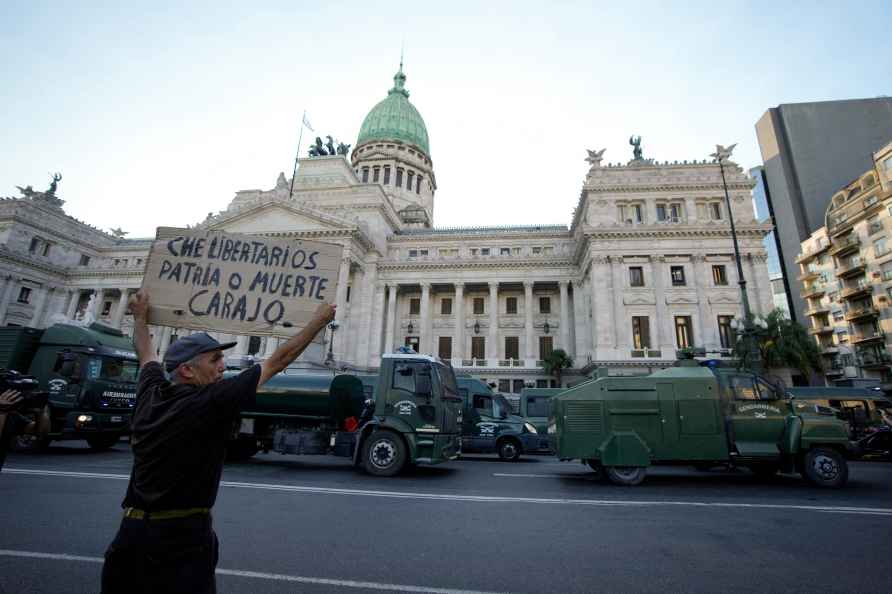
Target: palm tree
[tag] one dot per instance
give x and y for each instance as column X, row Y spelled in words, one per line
column 780, row 342
column 555, row 363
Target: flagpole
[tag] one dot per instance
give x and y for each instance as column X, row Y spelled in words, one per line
column 300, row 137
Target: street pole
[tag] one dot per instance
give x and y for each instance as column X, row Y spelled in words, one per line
column 300, row 137
column 721, row 155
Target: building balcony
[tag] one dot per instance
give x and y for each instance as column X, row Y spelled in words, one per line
column 862, row 313
column 862, row 339
column 816, row 290
column 818, row 310
column 819, row 330
column 808, row 275
column 845, row 246
column 879, row 360
column 830, row 351
column 806, row 256
column 511, row 362
column 851, row 270
column 835, row 370
column 856, row 292
column 645, row 353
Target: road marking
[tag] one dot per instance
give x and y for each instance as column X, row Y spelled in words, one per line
column 278, row 577
column 876, row 511
column 522, row 475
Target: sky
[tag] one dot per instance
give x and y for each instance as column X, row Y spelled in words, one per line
column 156, row 113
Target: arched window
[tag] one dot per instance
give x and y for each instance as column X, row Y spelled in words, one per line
column 399, row 177
column 365, row 175
column 409, row 179
column 418, row 184
column 376, row 174
column 386, row 174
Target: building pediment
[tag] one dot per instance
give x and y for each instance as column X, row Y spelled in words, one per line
column 277, row 217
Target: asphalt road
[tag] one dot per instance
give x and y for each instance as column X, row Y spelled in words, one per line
column 314, row 524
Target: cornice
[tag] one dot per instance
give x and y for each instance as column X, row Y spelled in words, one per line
column 674, row 231
column 475, row 265
column 483, row 236
column 666, row 187
column 31, row 264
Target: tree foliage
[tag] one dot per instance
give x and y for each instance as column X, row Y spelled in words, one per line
column 555, row 363
column 783, row 343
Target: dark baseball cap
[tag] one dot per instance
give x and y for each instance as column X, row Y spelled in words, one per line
column 191, row 346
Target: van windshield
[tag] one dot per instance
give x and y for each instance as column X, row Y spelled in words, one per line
column 114, row 369
column 501, row 406
column 447, row 380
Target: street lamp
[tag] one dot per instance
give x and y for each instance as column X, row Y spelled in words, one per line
column 721, row 155
column 329, row 357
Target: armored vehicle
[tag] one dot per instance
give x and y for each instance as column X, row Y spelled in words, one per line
column 695, row 415
column 408, row 415
column 89, row 372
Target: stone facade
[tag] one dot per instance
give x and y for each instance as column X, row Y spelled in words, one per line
column 846, row 275
column 644, row 267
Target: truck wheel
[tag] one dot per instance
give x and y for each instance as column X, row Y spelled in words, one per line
column 383, row 453
column 825, row 467
column 596, row 467
column 31, row 444
column 509, row 450
column 626, row 476
column 102, row 441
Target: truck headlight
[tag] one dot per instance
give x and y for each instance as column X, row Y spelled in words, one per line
column 530, row 428
column 84, row 418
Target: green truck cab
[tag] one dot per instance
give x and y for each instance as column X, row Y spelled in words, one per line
column 489, row 424
column 700, row 416
column 408, row 414
column 859, row 407
column 90, row 374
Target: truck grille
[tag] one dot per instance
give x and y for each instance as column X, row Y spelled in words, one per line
column 583, row 416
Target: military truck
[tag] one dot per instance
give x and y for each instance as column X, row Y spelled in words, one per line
column 489, row 424
column 89, row 372
column 859, row 407
column 411, row 416
column 695, row 415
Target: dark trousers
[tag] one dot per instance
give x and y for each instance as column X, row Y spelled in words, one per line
column 176, row 556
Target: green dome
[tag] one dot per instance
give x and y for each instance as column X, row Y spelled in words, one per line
column 395, row 118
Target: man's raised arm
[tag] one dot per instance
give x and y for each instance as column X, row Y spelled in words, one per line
column 139, row 307
column 291, row 350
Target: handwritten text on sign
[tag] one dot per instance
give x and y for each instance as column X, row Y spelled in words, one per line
column 242, row 284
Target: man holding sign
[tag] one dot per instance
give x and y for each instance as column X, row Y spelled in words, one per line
column 166, row 542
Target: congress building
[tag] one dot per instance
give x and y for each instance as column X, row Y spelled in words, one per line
column 643, row 267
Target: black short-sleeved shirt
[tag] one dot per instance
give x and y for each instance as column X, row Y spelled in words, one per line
column 179, row 435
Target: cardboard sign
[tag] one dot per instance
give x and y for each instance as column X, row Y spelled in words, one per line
column 238, row 284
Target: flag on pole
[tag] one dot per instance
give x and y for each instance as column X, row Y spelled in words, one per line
column 307, row 124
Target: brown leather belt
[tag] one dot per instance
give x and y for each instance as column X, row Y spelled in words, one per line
column 166, row 514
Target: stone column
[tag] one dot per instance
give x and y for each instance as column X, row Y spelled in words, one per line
column 424, row 345
column 39, row 305
column 752, row 286
column 74, row 298
column 241, row 346
column 458, row 340
column 164, row 340
column 582, row 326
column 708, row 322
column 364, row 353
column 530, row 351
column 12, row 283
column 659, row 269
column 565, row 319
column 390, row 319
column 492, row 349
column 341, row 302
column 690, row 210
column 377, row 329
column 97, row 303
column 602, row 290
column 121, row 308
column 272, row 343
